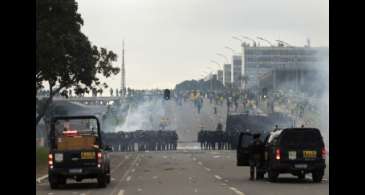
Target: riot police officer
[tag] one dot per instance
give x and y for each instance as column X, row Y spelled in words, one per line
column 256, row 149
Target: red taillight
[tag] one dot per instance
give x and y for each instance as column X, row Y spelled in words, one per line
column 50, row 159
column 324, row 153
column 99, row 156
column 277, row 154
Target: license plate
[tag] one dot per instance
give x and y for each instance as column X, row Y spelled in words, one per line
column 309, row 154
column 75, row 170
column 87, row 155
column 292, row 155
column 301, row 166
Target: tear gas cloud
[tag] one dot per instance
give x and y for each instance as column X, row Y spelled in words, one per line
column 144, row 114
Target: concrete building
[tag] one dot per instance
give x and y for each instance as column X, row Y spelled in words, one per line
column 237, row 71
column 220, row 75
column 227, row 75
column 257, row 61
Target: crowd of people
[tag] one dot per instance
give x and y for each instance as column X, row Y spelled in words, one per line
column 142, row 140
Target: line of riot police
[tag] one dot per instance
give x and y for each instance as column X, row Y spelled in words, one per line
column 217, row 140
column 142, row 140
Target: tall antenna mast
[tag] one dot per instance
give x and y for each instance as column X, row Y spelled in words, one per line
column 123, row 73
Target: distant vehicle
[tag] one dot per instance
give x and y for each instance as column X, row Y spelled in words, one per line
column 293, row 150
column 77, row 151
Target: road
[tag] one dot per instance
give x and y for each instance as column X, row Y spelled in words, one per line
column 185, row 171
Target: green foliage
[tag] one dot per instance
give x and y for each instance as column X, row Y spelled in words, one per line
column 65, row 57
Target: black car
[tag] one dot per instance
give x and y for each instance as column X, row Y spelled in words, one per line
column 77, row 151
column 293, row 150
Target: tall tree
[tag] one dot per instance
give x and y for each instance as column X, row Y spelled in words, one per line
column 65, row 57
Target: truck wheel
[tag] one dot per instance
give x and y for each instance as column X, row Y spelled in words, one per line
column 53, row 183
column 102, row 181
column 317, row 176
column 108, row 176
column 273, row 176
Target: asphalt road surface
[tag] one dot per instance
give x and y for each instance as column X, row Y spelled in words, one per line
column 185, row 171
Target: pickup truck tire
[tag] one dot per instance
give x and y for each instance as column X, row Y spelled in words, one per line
column 102, row 181
column 53, row 182
column 273, row 175
column 108, row 177
column 317, row 176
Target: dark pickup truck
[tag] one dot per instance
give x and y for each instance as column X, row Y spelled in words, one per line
column 77, row 151
column 293, row 150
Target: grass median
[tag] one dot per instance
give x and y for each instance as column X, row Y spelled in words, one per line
column 41, row 160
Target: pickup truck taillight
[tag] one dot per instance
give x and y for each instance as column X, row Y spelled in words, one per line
column 50, row 160
column 99, row 157
column 324, row 153
column 277, row 154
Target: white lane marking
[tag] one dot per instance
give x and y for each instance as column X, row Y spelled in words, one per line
column 121, row 162
column 216, row 156
column 133, row 170
column 218, row 177
column 50, row 193
column 121, row 192
column 223, row 184
column 154, row 177
column 112, row 179
column 139, row 190
column 164, row 157
column 196, row 190
column 39, row 179
column 206, row 168
column 83, row 194
column 137, row 164
column 236, row 191
column 128, row 178
column 194, row 159
column 125, row 174
column 200, row 163
column 226, row 180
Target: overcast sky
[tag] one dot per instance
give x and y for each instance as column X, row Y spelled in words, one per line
column 169, row 41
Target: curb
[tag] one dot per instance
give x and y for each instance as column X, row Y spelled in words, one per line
column 39, row 179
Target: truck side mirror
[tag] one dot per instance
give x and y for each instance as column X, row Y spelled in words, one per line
column 108, row 148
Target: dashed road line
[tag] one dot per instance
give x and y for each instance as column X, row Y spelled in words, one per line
column 133, row 170
column 121, row 192
column 128, row 178
column 125, row 174
column 236, row 191
column 200, row 163
column 218, row 177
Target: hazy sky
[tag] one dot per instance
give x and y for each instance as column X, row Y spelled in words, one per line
column 168, row 41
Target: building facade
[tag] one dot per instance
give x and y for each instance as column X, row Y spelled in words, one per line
column 258, row 61
column 220, row 76
column 227, row 75
column 237, row 71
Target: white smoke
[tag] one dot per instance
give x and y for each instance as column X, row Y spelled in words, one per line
column 146, row 115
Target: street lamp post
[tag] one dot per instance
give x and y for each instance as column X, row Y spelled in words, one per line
column 248, row 38
column 260, row 38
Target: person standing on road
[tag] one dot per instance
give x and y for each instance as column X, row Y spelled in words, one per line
column 255, row 157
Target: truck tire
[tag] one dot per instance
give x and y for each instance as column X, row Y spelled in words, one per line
column 53, row 181
column 108, row 177
column 102, row 181
column 273, row 175
column 317, row 176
